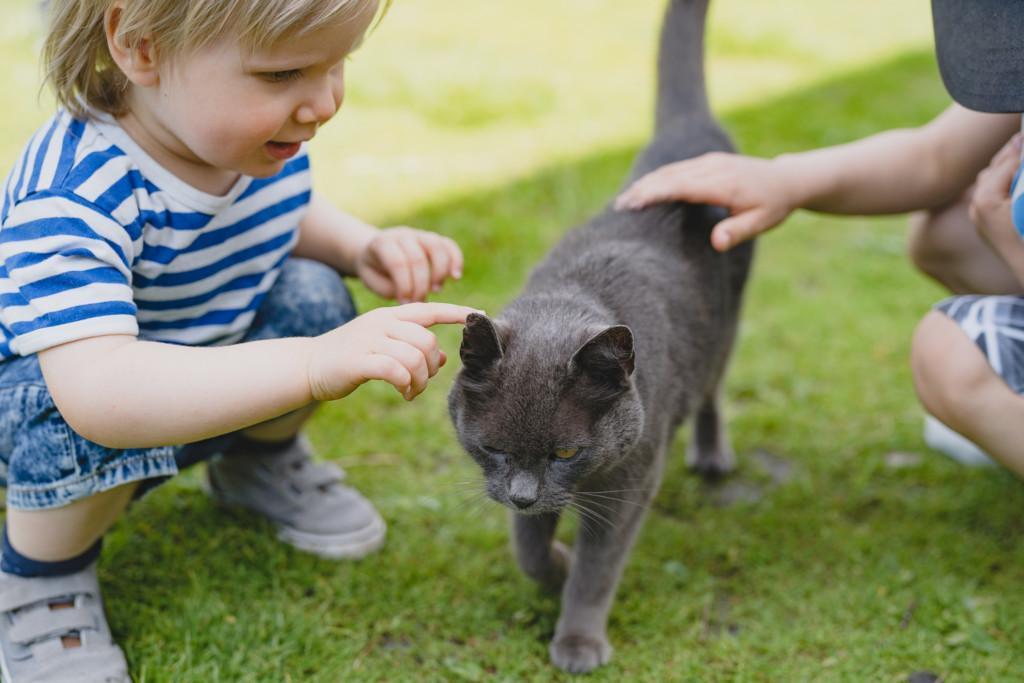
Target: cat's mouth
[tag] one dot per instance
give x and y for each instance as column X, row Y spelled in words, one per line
column 539, row 506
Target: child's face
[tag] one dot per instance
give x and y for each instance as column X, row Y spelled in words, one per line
column 223, row 109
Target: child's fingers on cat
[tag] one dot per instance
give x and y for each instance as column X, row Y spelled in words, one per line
column 433, row 313
column 739, row 228
column 683, row 180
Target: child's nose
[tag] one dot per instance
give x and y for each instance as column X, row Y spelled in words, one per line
column 322, row 102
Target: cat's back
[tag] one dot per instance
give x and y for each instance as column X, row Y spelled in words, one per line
column 661, row 255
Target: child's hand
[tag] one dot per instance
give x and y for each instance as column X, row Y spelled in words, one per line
column 389, row 344
column 991, row 205
column 407, row 264
column 750, row 188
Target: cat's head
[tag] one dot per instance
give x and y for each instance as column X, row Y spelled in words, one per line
column 542, row 403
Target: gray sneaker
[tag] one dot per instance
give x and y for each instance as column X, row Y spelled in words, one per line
column 306, row 500
column 37, row 613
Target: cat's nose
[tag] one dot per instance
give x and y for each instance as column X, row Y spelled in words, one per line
column 522, row 490
column 522, row 502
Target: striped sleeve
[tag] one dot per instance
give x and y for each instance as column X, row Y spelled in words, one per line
column 66, row 273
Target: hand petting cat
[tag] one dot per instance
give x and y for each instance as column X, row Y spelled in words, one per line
column 751, row 189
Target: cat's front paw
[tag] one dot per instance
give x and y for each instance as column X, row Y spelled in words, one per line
column 579, row 654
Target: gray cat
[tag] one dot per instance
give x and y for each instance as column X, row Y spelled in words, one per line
column 571, row 398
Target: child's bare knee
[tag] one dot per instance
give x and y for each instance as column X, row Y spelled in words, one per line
column 927, row 246
column 948, row 369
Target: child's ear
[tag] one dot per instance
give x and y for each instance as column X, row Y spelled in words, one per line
column 137, row 62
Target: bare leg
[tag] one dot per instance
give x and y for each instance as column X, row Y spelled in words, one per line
column 283, row 427
column 956, row 384
column 65, row 532
column 540, row 557
column 945, row 245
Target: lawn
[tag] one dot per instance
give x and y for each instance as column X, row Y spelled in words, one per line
column 842, row 550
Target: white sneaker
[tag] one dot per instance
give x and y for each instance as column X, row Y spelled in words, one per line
column 944, row 440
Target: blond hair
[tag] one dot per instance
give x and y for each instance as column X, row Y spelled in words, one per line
column 83, row 75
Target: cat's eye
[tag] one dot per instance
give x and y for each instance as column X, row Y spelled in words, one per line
column 566, row 453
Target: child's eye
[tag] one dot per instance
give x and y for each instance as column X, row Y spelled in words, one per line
column 281, row 76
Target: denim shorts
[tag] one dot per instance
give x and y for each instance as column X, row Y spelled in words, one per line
column 996, row 325
column 45, row 464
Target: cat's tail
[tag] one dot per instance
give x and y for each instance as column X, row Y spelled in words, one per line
column 684, row 125
column 682, row 93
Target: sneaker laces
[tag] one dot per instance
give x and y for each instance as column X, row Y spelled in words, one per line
column 301, row 472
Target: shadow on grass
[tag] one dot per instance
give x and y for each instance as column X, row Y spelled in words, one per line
column 444, row 599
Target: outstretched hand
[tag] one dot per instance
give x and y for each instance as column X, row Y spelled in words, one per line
column 750, row 188
column 389, row 344
column 407, row 264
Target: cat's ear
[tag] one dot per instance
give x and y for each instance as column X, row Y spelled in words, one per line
column 481, row 346
column 607, row 359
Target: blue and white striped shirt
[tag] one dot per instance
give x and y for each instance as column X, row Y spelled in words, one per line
column 96, row 238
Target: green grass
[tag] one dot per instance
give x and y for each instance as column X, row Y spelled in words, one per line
column 501, row 124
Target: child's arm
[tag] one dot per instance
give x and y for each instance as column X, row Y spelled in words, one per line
column 891, row 172
column 125, row 393
column 991, row 209
column 398, row 263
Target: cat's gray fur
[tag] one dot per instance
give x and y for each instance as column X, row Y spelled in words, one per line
column 556, row 369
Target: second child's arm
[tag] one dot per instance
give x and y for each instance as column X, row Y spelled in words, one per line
column 124, row 393
column 891, row 172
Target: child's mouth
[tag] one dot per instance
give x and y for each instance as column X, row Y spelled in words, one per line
column 282, row 150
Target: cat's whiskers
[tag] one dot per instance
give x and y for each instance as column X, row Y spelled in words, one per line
column 590, row 513
column 592, row 496
column 473, row 496
column 607, row 507
column 469, row 483
column 584, row 527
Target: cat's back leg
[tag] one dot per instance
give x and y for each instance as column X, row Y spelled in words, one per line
column 710, row 453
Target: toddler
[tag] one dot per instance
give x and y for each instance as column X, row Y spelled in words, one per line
column 168, row 277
